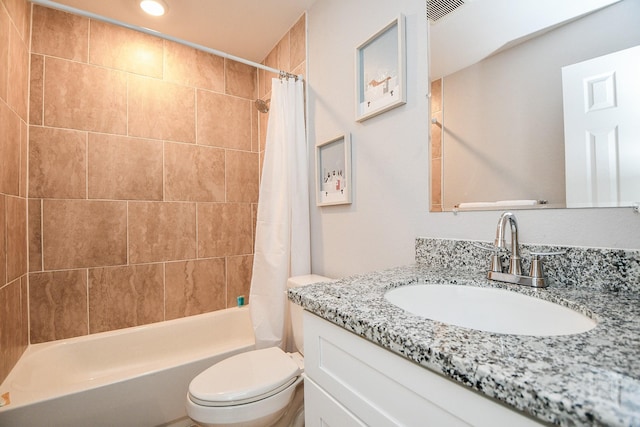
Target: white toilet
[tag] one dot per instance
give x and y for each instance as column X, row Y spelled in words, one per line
column 256, row 388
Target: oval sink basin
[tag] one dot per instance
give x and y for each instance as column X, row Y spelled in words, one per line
column 490, row 310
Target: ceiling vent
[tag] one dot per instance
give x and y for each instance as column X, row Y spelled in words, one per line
column 438, row 9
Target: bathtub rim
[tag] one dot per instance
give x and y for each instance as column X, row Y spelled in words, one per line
column 103, row 381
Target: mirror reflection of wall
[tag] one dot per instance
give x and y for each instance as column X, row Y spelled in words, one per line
column 501, row 119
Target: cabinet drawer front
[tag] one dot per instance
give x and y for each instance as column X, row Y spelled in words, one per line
column 349, row 371
column 324, row 410
column 384, row 389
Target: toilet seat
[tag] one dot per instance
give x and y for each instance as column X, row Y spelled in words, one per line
column 245, row 378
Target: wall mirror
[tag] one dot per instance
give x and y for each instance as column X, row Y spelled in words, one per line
column 498, row 104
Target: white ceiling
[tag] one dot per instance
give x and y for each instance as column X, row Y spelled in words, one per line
column 245, row 28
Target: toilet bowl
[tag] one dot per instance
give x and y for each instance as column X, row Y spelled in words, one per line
column 250, row 389
column 256, row 388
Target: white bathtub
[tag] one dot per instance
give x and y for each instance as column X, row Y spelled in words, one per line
column 130, row 377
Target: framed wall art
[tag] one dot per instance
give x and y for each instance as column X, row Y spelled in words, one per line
column 333, row 171
column 380, row 71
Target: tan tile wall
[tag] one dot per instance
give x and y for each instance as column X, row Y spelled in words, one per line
column 14, row 84
column 143, row 175
column 143, row 178
column 289, row 54
column 436, row 146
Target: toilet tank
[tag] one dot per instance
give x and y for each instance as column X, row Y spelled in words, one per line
column 296, row 311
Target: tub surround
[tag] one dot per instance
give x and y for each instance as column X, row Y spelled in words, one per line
column 144, row 160
column 586, row 379
column 15, row 27
column 140, row 199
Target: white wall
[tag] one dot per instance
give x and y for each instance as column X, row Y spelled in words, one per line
column 390, row 157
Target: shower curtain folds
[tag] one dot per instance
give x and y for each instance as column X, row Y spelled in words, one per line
column 282, row 247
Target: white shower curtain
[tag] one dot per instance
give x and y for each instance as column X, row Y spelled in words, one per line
column 282, row 247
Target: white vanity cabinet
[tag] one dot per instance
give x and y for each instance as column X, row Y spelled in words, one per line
column 353, row 382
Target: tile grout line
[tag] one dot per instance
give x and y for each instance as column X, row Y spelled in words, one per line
column 88, row 302
column 42, row 234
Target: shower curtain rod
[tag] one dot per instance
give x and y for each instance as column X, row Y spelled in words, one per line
column 65, row 8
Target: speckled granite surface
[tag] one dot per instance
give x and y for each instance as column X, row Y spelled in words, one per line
column 591, row 378
column 593, row 268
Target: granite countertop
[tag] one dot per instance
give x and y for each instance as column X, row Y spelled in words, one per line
column 591, row 378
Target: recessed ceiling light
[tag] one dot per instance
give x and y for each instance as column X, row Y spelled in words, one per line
column 154, row 7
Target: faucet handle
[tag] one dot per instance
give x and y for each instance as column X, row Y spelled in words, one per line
column 496, row 257
column 537, row 271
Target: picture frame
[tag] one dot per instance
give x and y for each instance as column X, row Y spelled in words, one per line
column 333, row 171
column 381, row 71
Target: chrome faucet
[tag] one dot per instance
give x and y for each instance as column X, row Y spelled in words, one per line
column 536, row 277
column 515, row 263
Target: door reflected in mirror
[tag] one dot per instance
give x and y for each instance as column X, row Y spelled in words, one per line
column 498, row 125
column 601, row 102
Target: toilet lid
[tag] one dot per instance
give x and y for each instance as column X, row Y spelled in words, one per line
column 244, row 378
